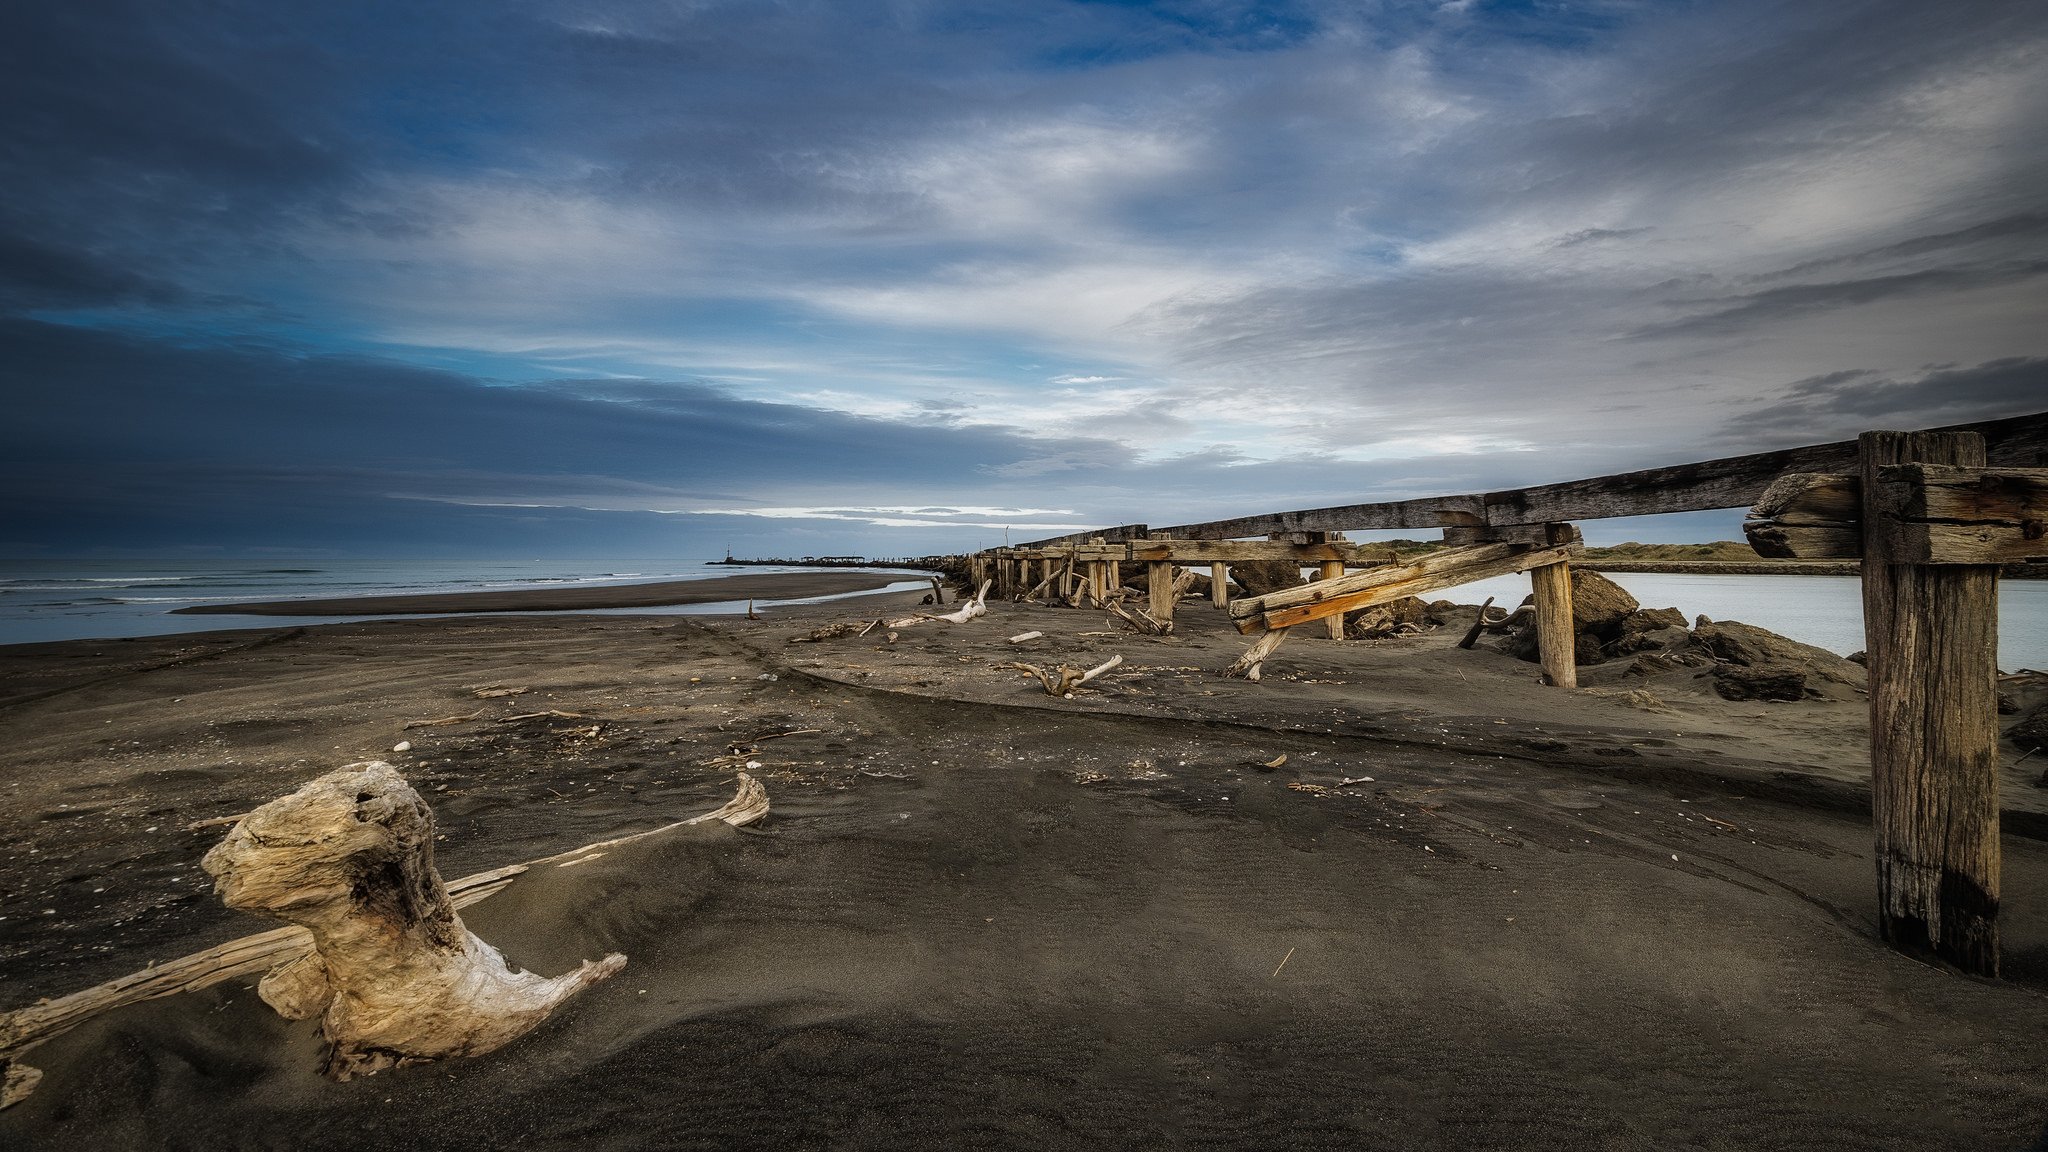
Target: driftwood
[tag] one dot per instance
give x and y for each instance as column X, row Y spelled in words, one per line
column 1139, row 619
column 1478, row 625
column 968, row 611
column 1021, row 637
column 394, row 975
column 24, row 1028
column 1247, row 665
column 1063, row 679
column 441, row 721
column 835, row 631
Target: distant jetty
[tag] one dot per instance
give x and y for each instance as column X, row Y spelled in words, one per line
column 920, row 562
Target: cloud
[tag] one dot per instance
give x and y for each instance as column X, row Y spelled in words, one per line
column 1838, row 405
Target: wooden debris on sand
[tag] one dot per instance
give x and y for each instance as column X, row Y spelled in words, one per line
column 1062, row 679
column 282, row 948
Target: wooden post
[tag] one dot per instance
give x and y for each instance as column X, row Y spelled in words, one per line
column 1554, row 639
column 1159, row 585
column 1931, row 631
column 1331, row 570
column 1098, row 577
column 1219, row 585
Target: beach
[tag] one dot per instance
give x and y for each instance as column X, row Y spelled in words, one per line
column 1396, row 895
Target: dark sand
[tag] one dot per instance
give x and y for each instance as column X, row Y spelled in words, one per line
column 659, row 594
column 980, row 917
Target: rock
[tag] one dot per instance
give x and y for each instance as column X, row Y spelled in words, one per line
column 2006, row 704
column 1753, row 647
column 1651, row 620
column 1858, row 657
column 1741, row 682
column 1385, row 619
column 1586, row 650
column 2031, row 730
column 1258, row 577
column 1599, row 605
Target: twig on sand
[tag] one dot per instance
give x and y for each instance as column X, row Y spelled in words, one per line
column 1283, row 962
column 439, row 721
column 554, row 712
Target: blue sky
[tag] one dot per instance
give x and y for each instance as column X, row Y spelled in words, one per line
column 659, row 278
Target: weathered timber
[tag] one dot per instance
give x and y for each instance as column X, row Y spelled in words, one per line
column 1219, row 584
column 1931, row 632
column 1159, row 588
column 1244, row 551
column 1247, row 665
column 1117, row 535
column 1445, row 569
column 1956, row 515
column 1554, row 637
column 1731, row 482
column 1333, row 570
column 1936, row 514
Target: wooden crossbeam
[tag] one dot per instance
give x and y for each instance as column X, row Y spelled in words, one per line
column 1934, row 514
column 1247, row 551
column 1446, row 569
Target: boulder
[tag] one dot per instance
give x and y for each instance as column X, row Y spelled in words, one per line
column 1767, row 682
column 2030, row 730
column 1753, row 647
column 1258, row 577
column 1408, row 613
column 1651, row 620
column 1599, row 605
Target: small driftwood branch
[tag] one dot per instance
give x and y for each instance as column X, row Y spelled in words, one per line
column 1139, row 619
column 1063, row 679
column 24, row 1028
column 494, row 692
column 1021, row 637
column 441, row 721
column 1478, row 625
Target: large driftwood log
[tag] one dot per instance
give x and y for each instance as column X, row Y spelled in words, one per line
column 394, row 975
column 24, row 1028
column 1248, row 664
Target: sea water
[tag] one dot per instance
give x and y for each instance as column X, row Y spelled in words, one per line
column 95, row 599
column 102, row 599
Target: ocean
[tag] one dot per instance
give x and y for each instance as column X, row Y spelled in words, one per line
column 102, row 599
column 43, row 600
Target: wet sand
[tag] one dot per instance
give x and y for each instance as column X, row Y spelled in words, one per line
column 1466, row 912
column 658, row 594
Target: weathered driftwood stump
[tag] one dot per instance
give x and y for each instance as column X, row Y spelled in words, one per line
column 394, row 977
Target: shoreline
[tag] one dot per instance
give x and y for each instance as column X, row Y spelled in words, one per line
column 659, row 594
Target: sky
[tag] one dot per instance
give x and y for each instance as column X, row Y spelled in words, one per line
column 515, row 278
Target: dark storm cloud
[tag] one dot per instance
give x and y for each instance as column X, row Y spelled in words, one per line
column 1163, row 261
column 1838, row 405
column 1732, row 314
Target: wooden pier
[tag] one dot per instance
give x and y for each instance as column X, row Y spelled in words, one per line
column 1929, row 515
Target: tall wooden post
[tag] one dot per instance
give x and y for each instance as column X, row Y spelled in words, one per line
column 1098, row 575
column 1931, row 631
column 1331, row 570
column 1219, row 585
column 1555, row 642
column 1159, row 585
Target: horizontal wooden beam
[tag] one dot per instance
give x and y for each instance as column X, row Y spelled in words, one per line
column 1116, row 535
column 1940, row 514
column 1446, row 569
column 1731, row 482
column 1246, row 551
